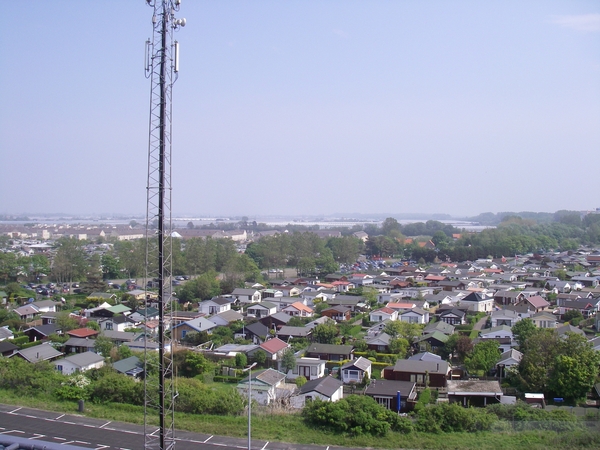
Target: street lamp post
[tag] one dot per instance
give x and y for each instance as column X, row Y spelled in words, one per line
column 249, row 370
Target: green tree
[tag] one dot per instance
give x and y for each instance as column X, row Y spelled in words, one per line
column 241, row 360
column 325, row 333
column 575, row 367
column 398, row 346
column 70, row 261
column 523, row 330
column 405, row 330
column 260, row 358
column 288, row 360
column 484, row 357
column 103, row 346
column 203, row 287
column 65, row 322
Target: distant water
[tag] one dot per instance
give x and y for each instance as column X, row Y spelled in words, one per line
column 182, row 222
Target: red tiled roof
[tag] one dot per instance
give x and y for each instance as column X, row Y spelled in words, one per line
column 82, row 332
column 274, row 345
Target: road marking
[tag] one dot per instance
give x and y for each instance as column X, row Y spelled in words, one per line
column 67, row 442
column 60, row 417
column 327, row 448
column 59, row 438
column 12, row 431
column 37, row 436
column 265, row 446
column 102, row 426
column 208, row 438
column 101, row 446
column 14, row 411
column 83, row 442
column 70, row 423
column 154, row 432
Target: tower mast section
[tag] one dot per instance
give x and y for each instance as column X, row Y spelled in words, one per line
column 161, row 68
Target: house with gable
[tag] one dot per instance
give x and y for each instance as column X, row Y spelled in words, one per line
column 266, row 386
column 337, row 313
column 298, row 309
column 260, row 310
column 274, row 348
column 453, row 317
column 478, row 302
column 535, row 304
column 255, row 332
column 504, row 317
column 245, row 296
column 197, row 325
column 380, row 343
column 214, row 306
column 355, row 371
column 415, row 315
column 383, row 314
column 325, row 388
column 544, row 319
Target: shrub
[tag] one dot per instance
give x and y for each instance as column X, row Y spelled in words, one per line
column 451, row 417
column 117, row 388
column 354, row 415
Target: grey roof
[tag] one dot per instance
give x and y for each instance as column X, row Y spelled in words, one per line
column 82, row 359
column 80, row 342
column 326, row 386
column 412, row 366
column 5, row 333
column 293, row 331
column 426, row 356
column 229, row 316
column 42, row 352
column 474, row 387
column 384, row 338
column 440, row 326
column 130, row 366
column 361, row 363
column 510, row 354
column 236, row 348
column 119, row 335
column 268, row 376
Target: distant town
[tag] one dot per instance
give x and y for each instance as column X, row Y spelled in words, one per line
column 485, row 317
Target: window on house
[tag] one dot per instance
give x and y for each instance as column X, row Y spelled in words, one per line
column 183, row 333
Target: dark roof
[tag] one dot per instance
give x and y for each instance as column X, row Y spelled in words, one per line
column 331, row 349
column 390, row 388
column 326, row 386
column 46, row 330
column 258, row 329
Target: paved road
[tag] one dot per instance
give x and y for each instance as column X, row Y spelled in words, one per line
column 107, row 435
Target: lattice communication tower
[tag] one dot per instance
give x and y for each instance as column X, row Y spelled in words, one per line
column 162, row 67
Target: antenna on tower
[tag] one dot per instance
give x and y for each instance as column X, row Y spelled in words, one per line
column 161, row 66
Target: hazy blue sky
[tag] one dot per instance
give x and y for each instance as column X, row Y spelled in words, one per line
column 306, row 107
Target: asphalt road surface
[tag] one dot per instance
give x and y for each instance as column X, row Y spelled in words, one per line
column 81, row 431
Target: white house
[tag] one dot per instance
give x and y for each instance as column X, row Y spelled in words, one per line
column 326, row 388
column 262, row 309
column 246, row 295
column 309, row 368
column 383, row 314
column 214, row 306
column 79, row 362
column 415, row 315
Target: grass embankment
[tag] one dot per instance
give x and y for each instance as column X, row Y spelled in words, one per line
column 291, row 428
